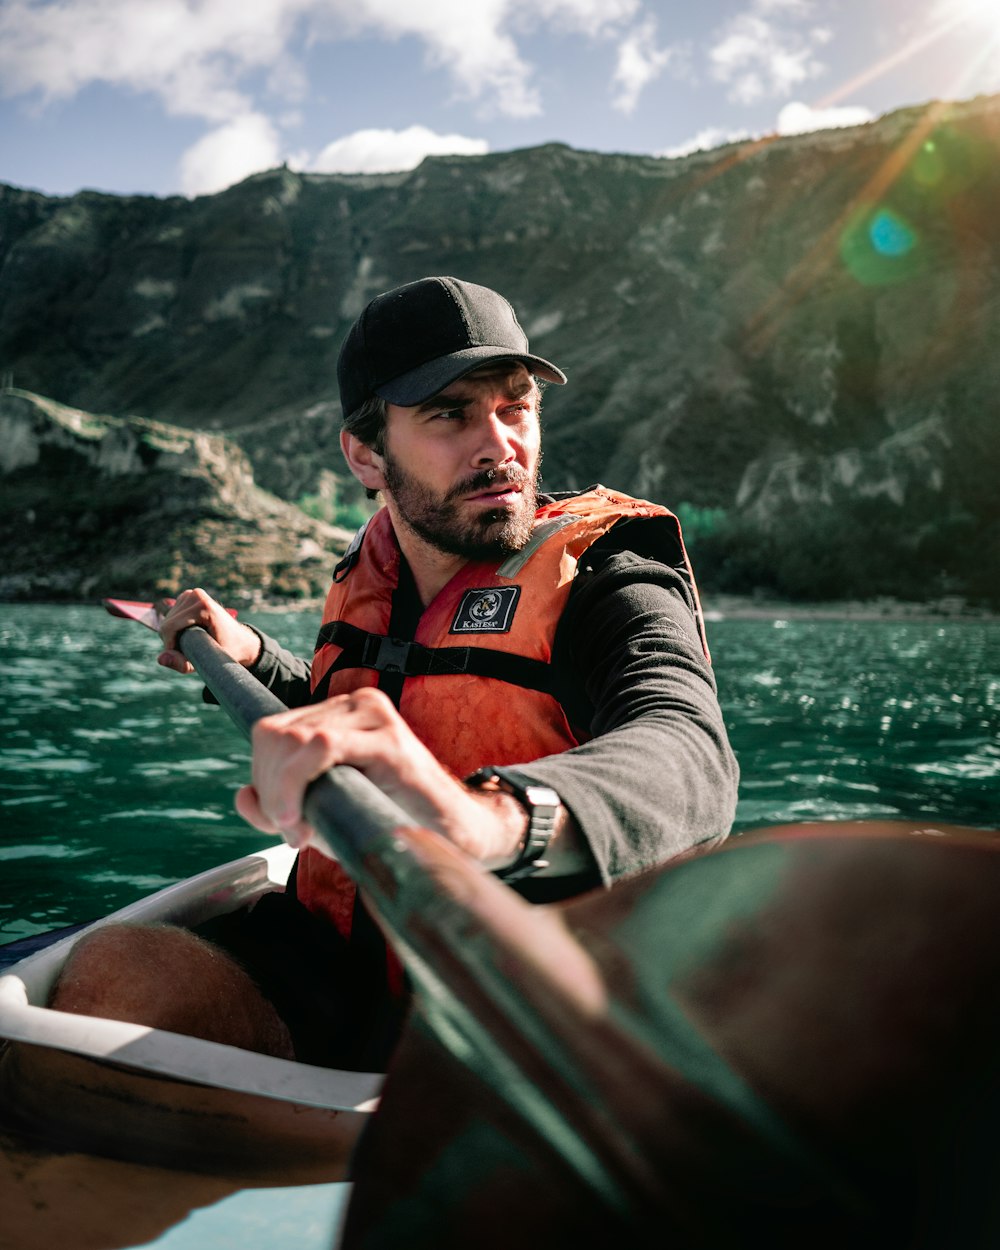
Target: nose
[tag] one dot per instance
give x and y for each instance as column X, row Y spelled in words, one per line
column 496, row 444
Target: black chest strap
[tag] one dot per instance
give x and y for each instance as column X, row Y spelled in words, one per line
column 412, row 659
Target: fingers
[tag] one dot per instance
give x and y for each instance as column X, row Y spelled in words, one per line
column 292, row 748
column 248, row 806
column 191, row 607
column 289, row 751
column 364, row 730
column 176, row 661
column 197, row 607
column 287, row 755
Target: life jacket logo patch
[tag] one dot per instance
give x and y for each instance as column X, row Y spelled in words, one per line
column 486, row 611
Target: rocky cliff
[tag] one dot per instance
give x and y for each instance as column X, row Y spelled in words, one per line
column 102, row 506
column 792, row 342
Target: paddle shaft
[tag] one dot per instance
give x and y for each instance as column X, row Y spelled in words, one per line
column 518, row 1040
column 349, row 813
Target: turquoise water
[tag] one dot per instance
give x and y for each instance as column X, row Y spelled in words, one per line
column 115, row 779
column 301, row 1217
column 845, row 720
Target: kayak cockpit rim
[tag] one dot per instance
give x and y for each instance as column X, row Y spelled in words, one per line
column 25, row 986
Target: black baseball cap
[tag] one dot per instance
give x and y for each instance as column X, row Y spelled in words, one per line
column 413, row 341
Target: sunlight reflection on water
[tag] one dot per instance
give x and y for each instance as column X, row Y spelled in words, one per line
column 109, row 755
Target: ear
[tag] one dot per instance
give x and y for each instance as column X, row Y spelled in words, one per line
column 364, row 463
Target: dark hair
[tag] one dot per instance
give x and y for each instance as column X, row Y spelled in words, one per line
column 367, row 423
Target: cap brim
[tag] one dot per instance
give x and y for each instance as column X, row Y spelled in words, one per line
column 421, row 384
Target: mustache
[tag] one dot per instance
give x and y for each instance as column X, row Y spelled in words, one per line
column 515, row 476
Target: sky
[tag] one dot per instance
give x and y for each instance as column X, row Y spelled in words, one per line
column 168, row 97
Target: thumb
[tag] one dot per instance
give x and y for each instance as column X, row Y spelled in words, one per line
column 248, row 806
column 174, row 660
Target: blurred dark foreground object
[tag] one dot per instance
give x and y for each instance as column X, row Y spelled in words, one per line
column 795, row 1039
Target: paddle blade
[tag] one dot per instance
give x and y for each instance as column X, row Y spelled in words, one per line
column 798, row 1038
column 142, row 613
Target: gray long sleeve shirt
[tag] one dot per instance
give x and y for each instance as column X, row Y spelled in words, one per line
column 657, row 776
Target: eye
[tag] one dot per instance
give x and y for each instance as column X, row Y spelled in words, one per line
column 434, row 415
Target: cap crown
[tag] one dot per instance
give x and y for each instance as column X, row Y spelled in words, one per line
column 422, row 335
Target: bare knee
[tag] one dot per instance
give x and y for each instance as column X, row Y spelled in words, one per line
column 168, row 978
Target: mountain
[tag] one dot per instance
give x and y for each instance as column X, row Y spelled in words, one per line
column 98, row 506
column 792, row 341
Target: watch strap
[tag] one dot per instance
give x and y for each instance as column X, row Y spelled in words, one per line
column 542, row 805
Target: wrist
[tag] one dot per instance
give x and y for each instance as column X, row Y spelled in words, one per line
column 250, row 657
column 502, row 823
column 532, row 813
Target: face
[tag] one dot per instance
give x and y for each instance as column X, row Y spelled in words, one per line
column 461, row 469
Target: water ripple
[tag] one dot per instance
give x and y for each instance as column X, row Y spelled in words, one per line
column 115, row 767
column 41, row 851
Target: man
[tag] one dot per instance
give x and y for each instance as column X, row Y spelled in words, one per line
column 524, row 674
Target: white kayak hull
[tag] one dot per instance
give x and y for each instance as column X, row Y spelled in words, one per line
column 203, row 1081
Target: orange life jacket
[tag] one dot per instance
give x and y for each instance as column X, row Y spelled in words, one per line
column 477, row 673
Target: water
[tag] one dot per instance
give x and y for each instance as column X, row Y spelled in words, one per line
column 115, row 779
column 846, row 720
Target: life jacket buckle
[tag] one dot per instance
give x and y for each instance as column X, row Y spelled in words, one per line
column 386, row 655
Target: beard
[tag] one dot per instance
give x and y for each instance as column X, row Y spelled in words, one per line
column 437, row 518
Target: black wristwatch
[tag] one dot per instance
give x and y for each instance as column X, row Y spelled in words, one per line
column 542, row 805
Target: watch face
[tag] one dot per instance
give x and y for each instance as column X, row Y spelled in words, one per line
column 541, row 796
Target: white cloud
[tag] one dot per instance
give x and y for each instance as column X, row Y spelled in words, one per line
column 799, row 119
column 794, row 119
column 230, row 153
column 475, row 43
column 798, row 8
column 191, row 55
column 589, row 17
column 196, row 54
column 384, row 151
column 639, row 62
column 240, row 65
column 704, row 140
column 759, row 58
column 467, row 41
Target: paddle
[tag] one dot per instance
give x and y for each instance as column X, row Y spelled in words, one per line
column 799, row 1039
column 503, row 986
column 479, row 956
column 794, row 1035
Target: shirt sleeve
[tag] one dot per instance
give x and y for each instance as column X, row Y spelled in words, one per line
column 657, row 777
column 283, row 673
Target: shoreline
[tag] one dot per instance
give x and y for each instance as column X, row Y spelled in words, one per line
column 883, row 608
column 721, row 607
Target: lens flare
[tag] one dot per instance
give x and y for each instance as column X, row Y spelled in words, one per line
column 890, row 235
column 879, row 247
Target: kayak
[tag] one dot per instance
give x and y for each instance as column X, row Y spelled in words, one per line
column 794, row 1036
column 790, row 1040
column 202, row 1102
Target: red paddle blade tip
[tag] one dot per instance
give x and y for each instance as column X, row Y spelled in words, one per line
column 143, row 613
